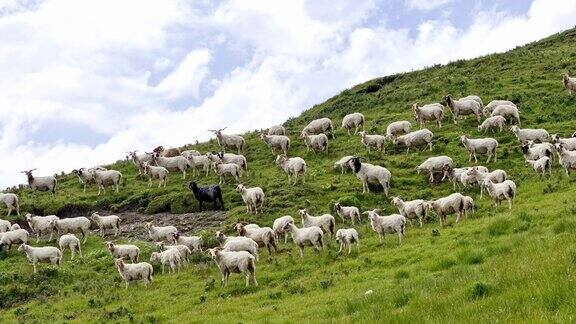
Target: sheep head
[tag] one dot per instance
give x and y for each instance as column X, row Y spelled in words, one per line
column 120, row 264
column 240, row 187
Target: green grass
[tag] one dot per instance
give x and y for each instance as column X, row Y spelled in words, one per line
column 496, row 265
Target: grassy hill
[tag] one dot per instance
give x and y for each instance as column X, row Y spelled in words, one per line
column 496, row 265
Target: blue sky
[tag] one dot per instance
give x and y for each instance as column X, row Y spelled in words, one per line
column 84, row 81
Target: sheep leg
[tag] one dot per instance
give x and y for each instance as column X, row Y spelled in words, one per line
column 162, row 268
column 84, row 237
column 440, row 220
column 475, row 158
column 254, row 277
column 37, row 236
column 80, row 250
column 341, row 246
column 349, row 248
column 34, row 266
column 285, row 238
column 301, row 247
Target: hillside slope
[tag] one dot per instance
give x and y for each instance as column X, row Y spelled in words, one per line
column 496, row 265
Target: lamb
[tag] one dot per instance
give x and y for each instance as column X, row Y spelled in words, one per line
column 489, row 108
column 315, row 142
column 194, row 243
column 160, row 233
column 277, row 130
column 103, row 222
column 541, row 165
column 569, row 83
column 435, row 164
column 137, row 271
column 170, row 152
column 343, row 163
column 454, row 174
column 567, row 158
column 222, row 169
column 430, row 112
column 252, row 197
column 41, row 254
column 202, row 162
column 42, row 224
column 452, row 204
column 347, row 237
column 4, row 226
column 71, row 242
column 278, row 226
column 376, row 141
column 292, row 167
column 234, row 262
column 463, row 107
column 492, row 123
column 353, row 121
column 413, row 209
column 182, row 249
column 19, row 236
column 123, row 251
column 140, row 159
column 106, row 178
column 276, row 142
column 86, row 176
column 347, row 212
column 568, row 143
column 47, row 183
column 382, row 225
column 73, row 225
column 534, row 151
column 496, row 176
column 326, row 221
column 509, row 112
column 238, row 243
column 229, row 141
column 369, row 173
column 318, row 126
column 156, row 172
column 207, row 194
column 238, row 159
column 422, row 137
column 500, row 191
column 480, row 146
column 174, row 163
column 530, row 134
column 313, row 236
column 398, row 128
column 264, row 236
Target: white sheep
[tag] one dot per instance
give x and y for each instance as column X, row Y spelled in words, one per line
column 156, row 172
column 463, row 107
column 264, row 236
column 422, row 137
column 500, row 191
column 171, row 257
column 252, row 197
column 174, row 163
column 326, row 221
column 276, row 142
column 123, row 251
column 567, row 158
column 530, row 134
column 86, row 176
column 11, row 202
column 342, row 164
column 491, row 123
column 376, row 141
column 105, row 178
column 318, row 126
column 202, row 162
column 188, row 153
column 223, row 169
column 383, row 225
column 277, row 130
column 238, row 159
column 430, row 112
column 509, row 112
column 237, row 243
column 74, row 225
column 194, row 243
column 398, row 128
column 14, row 227
column 454, row 174
column 103, row 222
column 350, row 212
column 71, row 242
column 136, row 271
column 475, row 146
column 160, row 233
column 452, row 204
column 569, row 83
column 489, row 108
column 475, row 98
column 353, row 121
column 278, row 226
column 534, row 151
column 313, row 236
column 41, row 254
column 293, row 166
column 47, row 183
column 466, row 179
column 139, row 160
column 19, row 236
column 4, row 225
column 371, row 174
column 412, row 209
column 435, row 164
column 468, row 205
column 541, row 165
column 229, row 141
column 347, row 237
column 315, row 143
column 480, row 175
column 234, row 262
column 569, row 143
column 42, row 224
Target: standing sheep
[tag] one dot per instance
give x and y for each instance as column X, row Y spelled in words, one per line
column 422, row 137
column 278, row 226
column 315, row 143
column 234, row 262
column 140, row 159
column 326, row 221
column 435, row 164
column 252, row 197
column 71, row 242
column 47, row 183
column 292, row 167
column 170, row 152
column 276, row 142
column 277, row 130
column 222, row 169
column 463, row 108
column 541, row 165
column 11, row 202
column 452, row 204
column 229, row 141
column 430, row 112
column 264, row 236
column 160, row 233
column 569, row 83
column 318, row 126
column 376, row 141
column 343, row 164
column 353, row 121
column 156, row 172
column 171, row 257
column 73, row 225
column 103, row 222
column 500, row 191
column 105, row 178
column 530, row 134
column 41, row 254
column 347, row 237
column 567, row 159
column 398, row 128
column 173, row 163
column 136, row 271
column 123, row 251
column 509, row 112
column 480, row 146
column 569, row 143
column 306, row 236
column 42, row 224
column 495, row 122
column 413, row 209
column 495, row 103
column 382, row 225
column 371, row 174
column 202, row 162
column 347, row 212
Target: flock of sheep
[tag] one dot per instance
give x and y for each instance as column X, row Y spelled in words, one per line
column 238, row 254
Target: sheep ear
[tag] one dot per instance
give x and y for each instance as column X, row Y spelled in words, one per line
column 366, row 213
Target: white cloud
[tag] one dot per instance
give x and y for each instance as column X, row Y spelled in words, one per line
column 187, row 76
column 426, row 4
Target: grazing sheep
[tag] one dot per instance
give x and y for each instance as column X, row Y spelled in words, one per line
column 315, row 143
column 343, row 163
column 496, row 176
column 530, row 134
column 430, row 112
column 156, row 172
column 347, row 212
column 292, row 167
column 276, row 142
column 4, row 226
column 137, row 271
column 480, row 146
column 238, row 159
column 264, row 236
column 491, row 123
column 567, row 158
column 73, row 225
column 569, row 83
column 541, row 165
column 41, row 225
column 160, row 233
column 184, row 250
column 376, row 141
column 509, row 112
column 211, row 193
column 398, row 128
column 277, row 130
column 123, row 251
column 435, row 164
column 382, row 225
column 463, row 107
column 495, row 103
column 413, row 209
column 139, row 160
column 422, row 137
column 19, row 236
column 500, row 191
column 202, row 162
column 313, row 236
column 229, row 141
column 194, row 243
column 103, row 222
column 234, row 262
column 252, row 197
column 568, row 143
column 326, row 221
column 369, row 173
column 347, row 237
column 170, row 152
column 475, row 98
column 169, row 257
column 173, row 163
column 353, row 121
column 237, row 243
column 71, row 242
column 47, row 183
column 319, row 126
column 452, row 204
column 278, row 226
column 534, row 151
column 41, row 254
column 104, row 178
column 223, row 169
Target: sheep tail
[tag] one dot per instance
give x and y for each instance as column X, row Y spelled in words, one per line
column 511, row 192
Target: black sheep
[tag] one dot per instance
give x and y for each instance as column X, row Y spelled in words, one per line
column 211, row 193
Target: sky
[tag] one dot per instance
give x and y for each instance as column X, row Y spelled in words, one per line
column 82, row 82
